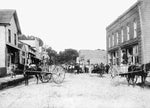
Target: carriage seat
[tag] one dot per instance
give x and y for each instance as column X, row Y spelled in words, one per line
column 33, row 67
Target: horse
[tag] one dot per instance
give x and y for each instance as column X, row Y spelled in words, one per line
column 133, row 68
column 98, row 69
column 143, row 72
column 77, row 69
column 146, row 68
column 32, row 68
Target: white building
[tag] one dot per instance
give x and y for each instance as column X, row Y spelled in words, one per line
column 35, row 45
column 9, row 32
column 92, row 57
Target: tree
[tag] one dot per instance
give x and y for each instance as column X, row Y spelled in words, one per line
column 68, row 56
column 52, row 54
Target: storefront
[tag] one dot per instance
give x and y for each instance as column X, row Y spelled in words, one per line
column 113, row 57
column 12, row 55
column 132, row 53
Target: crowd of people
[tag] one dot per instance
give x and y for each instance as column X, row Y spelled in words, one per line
column 89, row 68
column 71, row 68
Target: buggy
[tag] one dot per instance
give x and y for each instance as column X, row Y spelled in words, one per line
column 131, row 72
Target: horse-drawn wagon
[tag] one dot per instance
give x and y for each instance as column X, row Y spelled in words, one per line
column 45, row 73
column 131, row 72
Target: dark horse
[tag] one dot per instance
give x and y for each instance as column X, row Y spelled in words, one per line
column 31, row 70
column 98, row 69
column 141, row 70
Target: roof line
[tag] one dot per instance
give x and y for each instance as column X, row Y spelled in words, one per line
column 17, row 21
column 133, row 6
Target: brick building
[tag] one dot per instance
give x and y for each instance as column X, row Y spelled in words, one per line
column 130, row 32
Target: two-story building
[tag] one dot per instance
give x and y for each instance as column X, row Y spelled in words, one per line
column 27, row 54
column 130, row 32
column 34, row 43
column 9, row 32
column 33, row 49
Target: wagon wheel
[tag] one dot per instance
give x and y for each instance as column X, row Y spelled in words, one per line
column 58, row 74
column 45, row 77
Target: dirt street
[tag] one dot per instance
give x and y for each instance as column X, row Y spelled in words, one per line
column 77, row 91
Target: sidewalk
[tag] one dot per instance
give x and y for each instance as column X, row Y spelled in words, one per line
column 8, row 81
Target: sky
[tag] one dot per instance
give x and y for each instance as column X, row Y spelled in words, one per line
column 63, row 24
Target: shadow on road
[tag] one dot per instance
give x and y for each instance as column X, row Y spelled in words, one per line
column 13, row 83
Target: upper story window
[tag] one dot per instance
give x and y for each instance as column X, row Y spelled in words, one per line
column 9, row 36
column 117, row 38
column 113, row 40
column 15, row 39
column 109, row 41
column 135, row 28
column 122, row 35
column 128, row 32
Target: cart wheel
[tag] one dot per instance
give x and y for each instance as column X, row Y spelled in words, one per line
column 58, row 74
column 45, row 77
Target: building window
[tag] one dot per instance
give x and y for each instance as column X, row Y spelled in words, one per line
column 122, row 35
column 135, row 54
column 109, row 42
column 9, row 36
column 135, row 29
column 113, row 41
column 117, row 38
column 115, row 58
column 109, row 58
column 128, row 32
column 15, row 39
